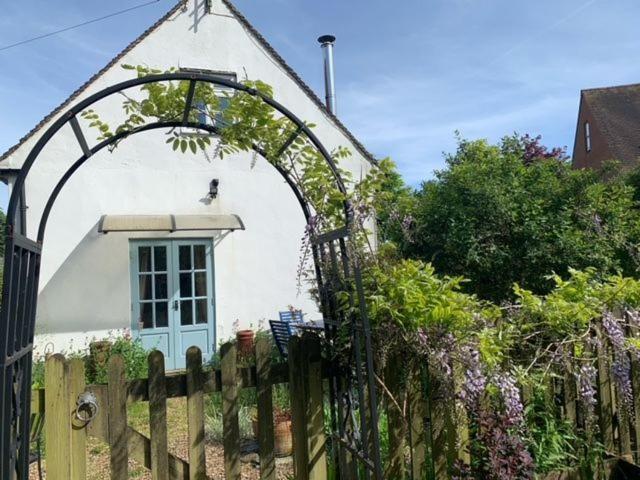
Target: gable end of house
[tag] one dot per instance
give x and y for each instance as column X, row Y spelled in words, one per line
column 252, row 31
column 608, row 127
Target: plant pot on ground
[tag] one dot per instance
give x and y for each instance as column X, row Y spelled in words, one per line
column 245, row 341
column 282, row 433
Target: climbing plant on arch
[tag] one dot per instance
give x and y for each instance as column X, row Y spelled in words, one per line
column 249, row 119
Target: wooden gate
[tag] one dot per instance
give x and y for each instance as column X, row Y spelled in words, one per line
column 66, row 435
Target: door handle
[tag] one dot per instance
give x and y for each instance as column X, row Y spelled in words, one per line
column 175, row 305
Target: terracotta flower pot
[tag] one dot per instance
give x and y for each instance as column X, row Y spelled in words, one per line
column 245, row 341
column 283, row 437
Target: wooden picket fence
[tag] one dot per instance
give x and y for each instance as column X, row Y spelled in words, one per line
column 65, row 435
column 432, row 430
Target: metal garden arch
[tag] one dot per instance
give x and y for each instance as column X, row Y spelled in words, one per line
column 353, row 383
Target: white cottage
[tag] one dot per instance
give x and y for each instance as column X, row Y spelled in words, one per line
column 185, row 287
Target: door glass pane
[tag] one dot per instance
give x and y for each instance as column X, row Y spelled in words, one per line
column 162, row 318
column 201, row 311
column 185, row 285
column 185, row 257
column 145, row 287
column 160, row 259
column 144, row 259
column 161, row 285
column 201, row 284
column 199, row 257
column 186, row 312
column 146, row 315
column 188, row 275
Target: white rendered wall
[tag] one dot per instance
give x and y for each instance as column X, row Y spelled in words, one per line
column 84, row 283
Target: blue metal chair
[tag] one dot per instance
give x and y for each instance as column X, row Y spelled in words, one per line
column 282, row 332
column 285, row 327
column 292, row 316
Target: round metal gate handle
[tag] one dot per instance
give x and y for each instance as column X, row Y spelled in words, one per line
column 88, row 402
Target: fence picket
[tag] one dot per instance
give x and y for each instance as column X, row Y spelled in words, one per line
column 635, row 382
column 195, row 415
column 78, row 428
column 57, row 423
column 417, row 433
column 451, row 427
column 158, row 417
column 437, row 416
column 230, row 426
column 461, row 435
column 570, row 396
column 622, row 420
column 265, row 410
column 118, row 439
column 316, row 448
column 624, row 433
column 395, row 418
column 605, row 403
column 298, row 395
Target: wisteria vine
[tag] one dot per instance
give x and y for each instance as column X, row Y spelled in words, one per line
column 487, row 357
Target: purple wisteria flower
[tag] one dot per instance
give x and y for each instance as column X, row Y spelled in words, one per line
column 586, row 385
column 621, row 365
column 499, row 422
column 514, row 410
column 475, row 381
column 441, row 354
column 614, row 331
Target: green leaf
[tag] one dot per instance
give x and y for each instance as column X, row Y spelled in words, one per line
column 183, row 145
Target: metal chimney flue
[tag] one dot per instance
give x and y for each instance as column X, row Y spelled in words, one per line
column 327, row 41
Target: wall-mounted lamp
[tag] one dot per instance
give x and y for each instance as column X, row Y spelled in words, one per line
column 213, row 188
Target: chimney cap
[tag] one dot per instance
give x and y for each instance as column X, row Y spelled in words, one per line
column 324, row 39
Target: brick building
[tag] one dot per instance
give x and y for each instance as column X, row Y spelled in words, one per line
column 608, row 127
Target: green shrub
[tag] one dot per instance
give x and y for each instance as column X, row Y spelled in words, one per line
column 133, row 354
column 37, row 373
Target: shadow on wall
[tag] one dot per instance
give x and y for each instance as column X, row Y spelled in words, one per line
column 90, row 290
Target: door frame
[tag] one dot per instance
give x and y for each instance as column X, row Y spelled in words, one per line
column 173, row 325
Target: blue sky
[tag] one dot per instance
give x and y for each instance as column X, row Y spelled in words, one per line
column 408, row 73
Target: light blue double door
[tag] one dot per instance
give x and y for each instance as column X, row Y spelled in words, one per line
column 173, row 297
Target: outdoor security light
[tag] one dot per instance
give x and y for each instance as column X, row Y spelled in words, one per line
column 213, row 188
